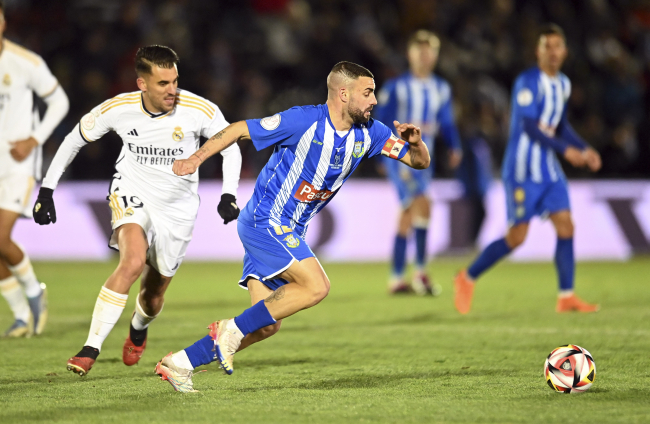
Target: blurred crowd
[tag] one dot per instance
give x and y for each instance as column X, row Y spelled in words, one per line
column 257, row 57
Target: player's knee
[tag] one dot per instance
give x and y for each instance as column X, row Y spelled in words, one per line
column 515, row 239
column 132, row 266
column 565, row 229
column 320, row 289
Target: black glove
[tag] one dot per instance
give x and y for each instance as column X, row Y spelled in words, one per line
column 227, row 208
column 44, row 211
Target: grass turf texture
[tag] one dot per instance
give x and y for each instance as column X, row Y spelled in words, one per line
column 359, row 356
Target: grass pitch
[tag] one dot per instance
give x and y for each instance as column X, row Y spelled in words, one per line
column 359, row 356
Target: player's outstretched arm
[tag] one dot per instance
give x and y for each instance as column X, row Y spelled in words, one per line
column 418, row 156
column 215, row 144
column 44, row 211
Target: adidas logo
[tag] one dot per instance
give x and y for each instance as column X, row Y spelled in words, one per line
column 133, row 132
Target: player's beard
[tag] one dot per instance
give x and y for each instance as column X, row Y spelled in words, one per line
column 358, row 115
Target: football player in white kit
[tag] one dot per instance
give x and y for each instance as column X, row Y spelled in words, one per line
column 153, row 210
column 22, row 73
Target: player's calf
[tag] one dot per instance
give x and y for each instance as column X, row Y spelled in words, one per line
column 259, row 335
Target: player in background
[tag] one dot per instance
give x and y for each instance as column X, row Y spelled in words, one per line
column 423, row 99
column 153, row 210
column 22, row 73
column 316, row 149
column 533, row 178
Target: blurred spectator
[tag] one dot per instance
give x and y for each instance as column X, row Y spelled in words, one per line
column 256, row 57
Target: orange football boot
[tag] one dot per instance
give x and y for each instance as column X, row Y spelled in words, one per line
column 464, row 288
column 574, row 303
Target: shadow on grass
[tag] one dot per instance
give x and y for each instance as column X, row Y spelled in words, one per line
column 364, row 381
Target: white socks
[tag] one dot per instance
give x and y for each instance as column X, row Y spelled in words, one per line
column 25, row 274
column 13, row 293
column 108, row 308
column 565, row 293
column 181, row 360
column 140, row 320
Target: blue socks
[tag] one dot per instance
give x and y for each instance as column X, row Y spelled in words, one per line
column 565, row 263
column 200, row 353
column 399, row 256
column 421, row 247
column 254, row 318
column 488, row 257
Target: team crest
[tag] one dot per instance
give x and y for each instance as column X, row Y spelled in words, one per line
column 129, row 212
column 7, row 79
column 178, row 134
column 292, row 241
column 358, row 149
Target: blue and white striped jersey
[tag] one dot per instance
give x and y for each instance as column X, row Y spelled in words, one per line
column 425, row 102
column 543, row 98
column 309, row 164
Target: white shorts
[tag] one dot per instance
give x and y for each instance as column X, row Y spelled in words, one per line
column 167, row 241
column 16, row 194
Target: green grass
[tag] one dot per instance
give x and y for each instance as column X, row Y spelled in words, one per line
column 359, row 356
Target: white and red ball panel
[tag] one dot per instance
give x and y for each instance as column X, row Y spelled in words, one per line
column 570, row 369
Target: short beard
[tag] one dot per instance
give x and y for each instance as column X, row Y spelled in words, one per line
column 357, row 115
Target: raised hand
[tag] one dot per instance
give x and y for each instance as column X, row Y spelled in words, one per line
column 408, row 132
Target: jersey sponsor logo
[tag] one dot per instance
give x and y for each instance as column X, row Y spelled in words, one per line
column 307, row 193
column 6, row 80
column 178, row 135
column 88, row 121
column 358, row 149
column 271, row 122
column 320, row 143
column 393, row 147
column 292, row 241
column 524, row 97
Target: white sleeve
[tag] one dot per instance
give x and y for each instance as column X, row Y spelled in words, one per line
column 57, row 107
column 66, row 153
column 231, row 169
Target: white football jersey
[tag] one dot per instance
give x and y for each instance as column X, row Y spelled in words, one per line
column 22, row 72
column 152, row 142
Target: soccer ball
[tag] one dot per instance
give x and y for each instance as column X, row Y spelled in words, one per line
column 570, row 369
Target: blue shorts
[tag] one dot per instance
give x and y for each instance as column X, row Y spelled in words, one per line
column 528, row 199
column 270, row 251
column 409, row 182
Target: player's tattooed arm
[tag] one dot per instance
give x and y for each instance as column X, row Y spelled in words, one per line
column 277, row 295
column 418, row 156
column 215, row 144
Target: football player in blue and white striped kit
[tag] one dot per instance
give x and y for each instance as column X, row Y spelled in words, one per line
column 533, row 178
column 316, row 149
column 424, row 99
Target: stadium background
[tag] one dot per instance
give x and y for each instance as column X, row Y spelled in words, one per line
column 254, row 58
column 360, row 355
